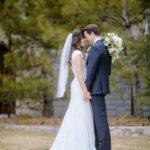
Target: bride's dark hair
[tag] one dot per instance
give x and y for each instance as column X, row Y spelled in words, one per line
column 76, row 40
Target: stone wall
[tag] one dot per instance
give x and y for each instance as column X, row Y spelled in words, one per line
column 28, row 108
column 115, row 131
column 116, row 106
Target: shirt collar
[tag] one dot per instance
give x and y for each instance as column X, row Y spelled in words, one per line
column 97, row 40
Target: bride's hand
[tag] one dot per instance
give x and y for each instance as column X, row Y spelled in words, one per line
column 86, row 56
column 87, row 96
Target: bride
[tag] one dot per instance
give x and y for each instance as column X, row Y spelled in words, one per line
column 77, row 130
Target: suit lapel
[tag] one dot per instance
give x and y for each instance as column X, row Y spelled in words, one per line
column 97, row 41
column 100, row 40
column 87, row 60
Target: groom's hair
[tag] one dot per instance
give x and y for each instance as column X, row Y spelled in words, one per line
column 91, row 28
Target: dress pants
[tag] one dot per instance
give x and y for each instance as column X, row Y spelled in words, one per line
column 101, row 127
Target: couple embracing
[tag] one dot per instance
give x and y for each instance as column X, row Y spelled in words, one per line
column 85, row 125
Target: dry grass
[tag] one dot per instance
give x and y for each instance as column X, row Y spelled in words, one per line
column 24, row 140
column 130, row 143
column 28, row 120
column 128, row 121
column 113, row 121
column 27, row 140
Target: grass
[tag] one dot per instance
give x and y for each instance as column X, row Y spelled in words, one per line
column 128, row 121
column 25, row 140
column 28, row 120
column 113, row 121
column 29, row 140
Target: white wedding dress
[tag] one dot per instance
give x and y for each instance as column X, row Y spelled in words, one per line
column 77, row 130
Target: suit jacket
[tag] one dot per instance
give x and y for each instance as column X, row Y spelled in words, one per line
column 98, row 69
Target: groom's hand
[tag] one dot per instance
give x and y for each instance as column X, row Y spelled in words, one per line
column 87, row 96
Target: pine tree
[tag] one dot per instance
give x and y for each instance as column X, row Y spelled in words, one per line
column 35, row 30
column 32, row 40
column 121, row 17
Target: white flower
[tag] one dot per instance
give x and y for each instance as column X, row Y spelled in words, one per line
column 114, row 45
column 119, row 41
column 111, row 50
column 106, row 39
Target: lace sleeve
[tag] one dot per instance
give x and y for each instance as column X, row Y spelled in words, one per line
column 75, row 53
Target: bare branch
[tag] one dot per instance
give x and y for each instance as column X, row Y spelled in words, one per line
column 113, row 17
column 141, row 60
column 133, row 57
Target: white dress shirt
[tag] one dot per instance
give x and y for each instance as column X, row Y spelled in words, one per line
column 97, row 40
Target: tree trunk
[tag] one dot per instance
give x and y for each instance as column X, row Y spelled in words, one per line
column 8, row 115
column 147, row 21
column 132, row 101
column 138, row 108
column 9, row 42
column 48, row 106
column 127, row 26
column 126, row 22
column 9, row 71
column 48, row 110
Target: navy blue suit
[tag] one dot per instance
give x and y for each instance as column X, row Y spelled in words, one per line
column 97, row 82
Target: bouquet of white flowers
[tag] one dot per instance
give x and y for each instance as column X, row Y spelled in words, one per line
column 114, row 44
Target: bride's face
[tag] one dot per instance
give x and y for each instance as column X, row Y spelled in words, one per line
column 83, row 40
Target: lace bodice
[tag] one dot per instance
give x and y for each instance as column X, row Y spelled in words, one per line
column 84, row 68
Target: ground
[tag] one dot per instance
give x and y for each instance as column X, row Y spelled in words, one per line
column 113, row 121
column 29, row 140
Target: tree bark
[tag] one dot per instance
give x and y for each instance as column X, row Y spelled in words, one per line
column 126, row 21
column 48, row 106
column 48, row 110
column 132, row 100
column 9, row 42
column 138, row 108
column 146, row 21
column 9, row 71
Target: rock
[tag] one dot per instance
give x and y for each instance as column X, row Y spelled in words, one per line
column 146, row 131
column 117, row 132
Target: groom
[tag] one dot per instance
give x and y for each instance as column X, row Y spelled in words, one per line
column 97, row 82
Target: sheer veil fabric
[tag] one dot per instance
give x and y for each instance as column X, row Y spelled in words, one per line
column 63, row 71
